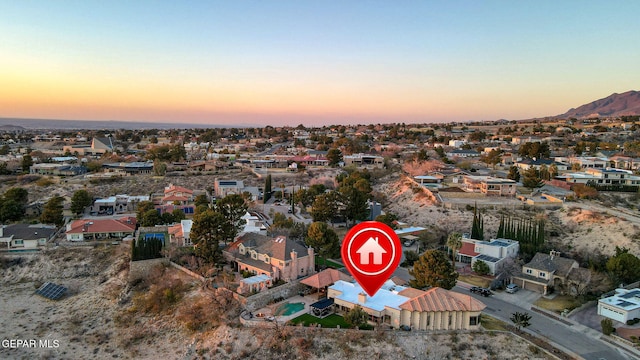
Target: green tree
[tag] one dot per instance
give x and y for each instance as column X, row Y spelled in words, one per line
column 142, row 208
column 520, row 319
column 232, row 207
column 477, row 227
column 356, row 316
column 52, row 212
column 26, row 163
column 492, row 158
column 553, row 171
column 410, row 257
column 201, row 200
column 387, row 219
column 178, row 215
column 514, row 173
column 624, row 266
column 80, row 200
column 607, row 326
column 323, row 240
column 530, row 179
column 454, row 243
column 267, row 188
column 151, row 218
column 11, row 210
column 5, row 149
column 17, row 194
column 481, row 268
column 433, row 269
column 324, row 207
column 207, row 232
column 354, row 191
column 334, row 156
column 3, row 168
column 159, row 168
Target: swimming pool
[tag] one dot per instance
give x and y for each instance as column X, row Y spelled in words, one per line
column 289, row 308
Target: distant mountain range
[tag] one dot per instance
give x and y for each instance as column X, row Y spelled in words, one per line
column 627, row 103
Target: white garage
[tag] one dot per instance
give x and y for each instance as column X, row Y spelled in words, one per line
column 623, row 306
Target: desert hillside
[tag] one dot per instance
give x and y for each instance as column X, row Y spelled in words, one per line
column 168, row 315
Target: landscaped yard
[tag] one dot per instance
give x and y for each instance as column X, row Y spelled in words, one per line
column 475, row 280
column 491, row 323
column 331, row 321
column 559, row 303
column 328, row 263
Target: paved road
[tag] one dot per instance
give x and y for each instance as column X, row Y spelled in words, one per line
column 567, row 337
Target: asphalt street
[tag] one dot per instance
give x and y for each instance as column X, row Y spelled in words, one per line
column 568, row 337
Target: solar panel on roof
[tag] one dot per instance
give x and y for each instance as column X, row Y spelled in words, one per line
column 630, row 294
column 51, row 291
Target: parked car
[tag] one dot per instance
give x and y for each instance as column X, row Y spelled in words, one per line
column 485, row 292
column 512, row 288
column 474, row 289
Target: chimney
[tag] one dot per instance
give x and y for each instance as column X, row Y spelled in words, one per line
column 362, row 297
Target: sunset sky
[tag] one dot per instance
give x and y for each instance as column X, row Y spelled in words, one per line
column 312, row 62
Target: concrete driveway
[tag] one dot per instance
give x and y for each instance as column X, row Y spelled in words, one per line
column 588, row 316
column 522, row 298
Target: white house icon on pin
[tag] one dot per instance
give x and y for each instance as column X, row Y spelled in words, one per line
column 371, row 247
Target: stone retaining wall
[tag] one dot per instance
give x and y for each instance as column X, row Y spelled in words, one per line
column 264, row 298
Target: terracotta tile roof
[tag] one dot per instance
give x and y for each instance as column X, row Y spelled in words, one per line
column 98, row 226
column 174, row 198
column 467, row 249
column 438, row 299
column 411, row 293
column 325, row 278
column 176, row 230
column 174, row 188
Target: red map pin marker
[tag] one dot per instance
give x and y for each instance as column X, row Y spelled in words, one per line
column 371, row 251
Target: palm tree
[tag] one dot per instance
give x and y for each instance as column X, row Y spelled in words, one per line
column 454, row 242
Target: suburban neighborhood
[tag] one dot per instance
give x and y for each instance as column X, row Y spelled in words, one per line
column 509, row 227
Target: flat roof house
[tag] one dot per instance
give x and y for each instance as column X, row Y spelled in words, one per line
column 623, row 306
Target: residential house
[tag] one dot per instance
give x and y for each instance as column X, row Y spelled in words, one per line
column 489, row 185
column 279, row 257
column 129, row 168
column 254, row 224
column 396, row 305
column 98, row 229
column 223, row 188
column 603, row 177
column 176, row 198
column 494, row 252
column 57, row 169
column 526, row 164
column 25, row 236
column 462, row 153
column 364, row 161
column 623, row 306
column 545, row 271
column 180, row 234
column 117, row 204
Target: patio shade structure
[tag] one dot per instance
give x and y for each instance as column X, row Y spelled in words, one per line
column 322, row 308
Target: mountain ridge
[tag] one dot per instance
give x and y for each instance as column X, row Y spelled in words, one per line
column 626, row 103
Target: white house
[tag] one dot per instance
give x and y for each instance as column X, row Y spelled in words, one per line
column 493, row 252
column 623, row 306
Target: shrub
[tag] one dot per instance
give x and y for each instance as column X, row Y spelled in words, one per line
column 607, row 326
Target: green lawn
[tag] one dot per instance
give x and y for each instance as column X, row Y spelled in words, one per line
column 475, row 280
column 327, row 262
column 559, row 303
column 331, row 321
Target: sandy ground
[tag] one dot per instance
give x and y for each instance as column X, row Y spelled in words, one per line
column 99, row 319
column 572, row 229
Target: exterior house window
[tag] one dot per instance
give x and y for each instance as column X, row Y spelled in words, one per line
column 19, row 242
column 474, row 320
column 302, row 271
column 542, row 274
column 266, row 259
column 450, row 320
column 428, row 319
column 529, row 271
column 254, row 255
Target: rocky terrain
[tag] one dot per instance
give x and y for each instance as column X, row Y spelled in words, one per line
column 169, row 315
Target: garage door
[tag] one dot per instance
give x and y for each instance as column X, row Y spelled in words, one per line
column 533, row 287
column 611, row 314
